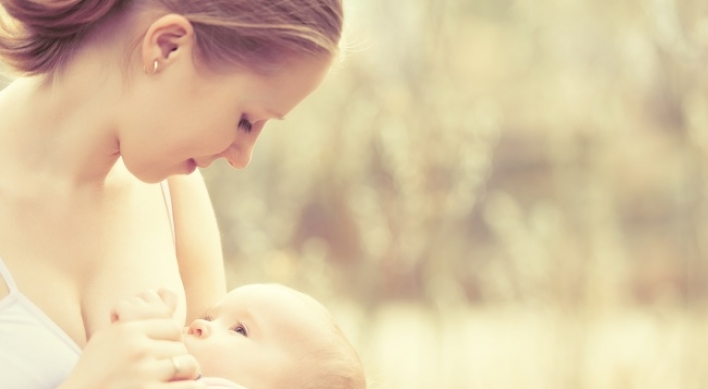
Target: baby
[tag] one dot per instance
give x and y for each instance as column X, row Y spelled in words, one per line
column 263, row 336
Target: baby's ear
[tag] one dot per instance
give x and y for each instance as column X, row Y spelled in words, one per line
column 169, row 298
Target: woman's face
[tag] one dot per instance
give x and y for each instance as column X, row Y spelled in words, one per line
column 182, row 117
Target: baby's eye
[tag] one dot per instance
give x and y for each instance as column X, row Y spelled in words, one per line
column 241, row 329
column 207, row 318
column 245, row 124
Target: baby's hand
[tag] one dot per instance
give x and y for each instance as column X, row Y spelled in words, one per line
column 147, row 305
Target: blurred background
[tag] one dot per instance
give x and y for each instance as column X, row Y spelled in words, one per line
column 496, row 194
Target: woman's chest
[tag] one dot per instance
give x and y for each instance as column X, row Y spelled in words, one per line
column 76, row 260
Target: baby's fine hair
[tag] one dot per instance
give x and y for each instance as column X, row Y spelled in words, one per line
column 336, row 363
column 340, row 369
column 40, row 35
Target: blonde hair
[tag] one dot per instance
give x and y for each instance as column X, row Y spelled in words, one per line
column 43, row 34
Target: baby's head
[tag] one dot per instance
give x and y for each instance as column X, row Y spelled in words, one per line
column 268, row 336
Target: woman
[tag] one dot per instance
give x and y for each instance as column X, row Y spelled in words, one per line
column 120, row 101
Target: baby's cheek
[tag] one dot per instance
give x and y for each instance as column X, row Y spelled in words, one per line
column 208, row 357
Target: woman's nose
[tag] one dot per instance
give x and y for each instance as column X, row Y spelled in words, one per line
column 199, row 328
column 239, row 153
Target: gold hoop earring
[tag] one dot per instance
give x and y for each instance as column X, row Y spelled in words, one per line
column 155, row 66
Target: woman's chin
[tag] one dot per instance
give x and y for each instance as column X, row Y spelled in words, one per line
column 191, row 166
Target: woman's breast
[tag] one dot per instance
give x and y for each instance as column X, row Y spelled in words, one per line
column 127, row 275
column 76, row 261
column 140, row 255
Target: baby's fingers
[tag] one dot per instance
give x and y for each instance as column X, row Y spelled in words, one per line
column 151, row 297
column 125, row 312
column 169, row 298
column 148, row 305
column 159, row 329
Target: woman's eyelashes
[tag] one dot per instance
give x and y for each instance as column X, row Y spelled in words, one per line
column 245, row 124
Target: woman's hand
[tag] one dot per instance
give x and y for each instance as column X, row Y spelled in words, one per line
column 141, row 349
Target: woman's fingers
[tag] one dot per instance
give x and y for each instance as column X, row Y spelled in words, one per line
column 166, row 346
column 181, row 367
column 142, row 353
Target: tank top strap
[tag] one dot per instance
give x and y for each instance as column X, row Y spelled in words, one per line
column 7, row 277
column 168, row 203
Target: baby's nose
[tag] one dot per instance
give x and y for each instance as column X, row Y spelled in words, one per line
column 199, row 328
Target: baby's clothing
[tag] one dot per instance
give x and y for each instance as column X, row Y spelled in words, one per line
column 220, row 383
column 34, row 352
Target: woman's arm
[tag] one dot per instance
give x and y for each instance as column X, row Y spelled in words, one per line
column 198, row 243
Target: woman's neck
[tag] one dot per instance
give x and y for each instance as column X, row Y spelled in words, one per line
column 62, row 130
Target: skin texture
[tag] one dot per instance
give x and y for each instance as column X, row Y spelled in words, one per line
column 84, row 225
column 194, row 113
column 255, row 336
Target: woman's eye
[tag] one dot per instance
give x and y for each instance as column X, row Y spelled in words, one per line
column 241, row 330
column 245, row 124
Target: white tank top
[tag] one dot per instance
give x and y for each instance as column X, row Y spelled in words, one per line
column 34, row 352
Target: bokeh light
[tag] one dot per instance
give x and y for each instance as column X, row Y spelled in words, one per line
column 496, row 194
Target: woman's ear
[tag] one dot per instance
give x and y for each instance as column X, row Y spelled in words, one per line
column 166, row 40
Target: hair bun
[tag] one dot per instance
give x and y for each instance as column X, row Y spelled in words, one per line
column 57, row 18
column 47, row 31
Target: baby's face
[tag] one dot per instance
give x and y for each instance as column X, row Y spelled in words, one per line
column 255, row 334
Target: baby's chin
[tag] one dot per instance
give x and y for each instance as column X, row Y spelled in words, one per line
column 209, row 362
column 188, row 341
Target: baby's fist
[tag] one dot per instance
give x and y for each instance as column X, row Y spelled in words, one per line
column 147, row 305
